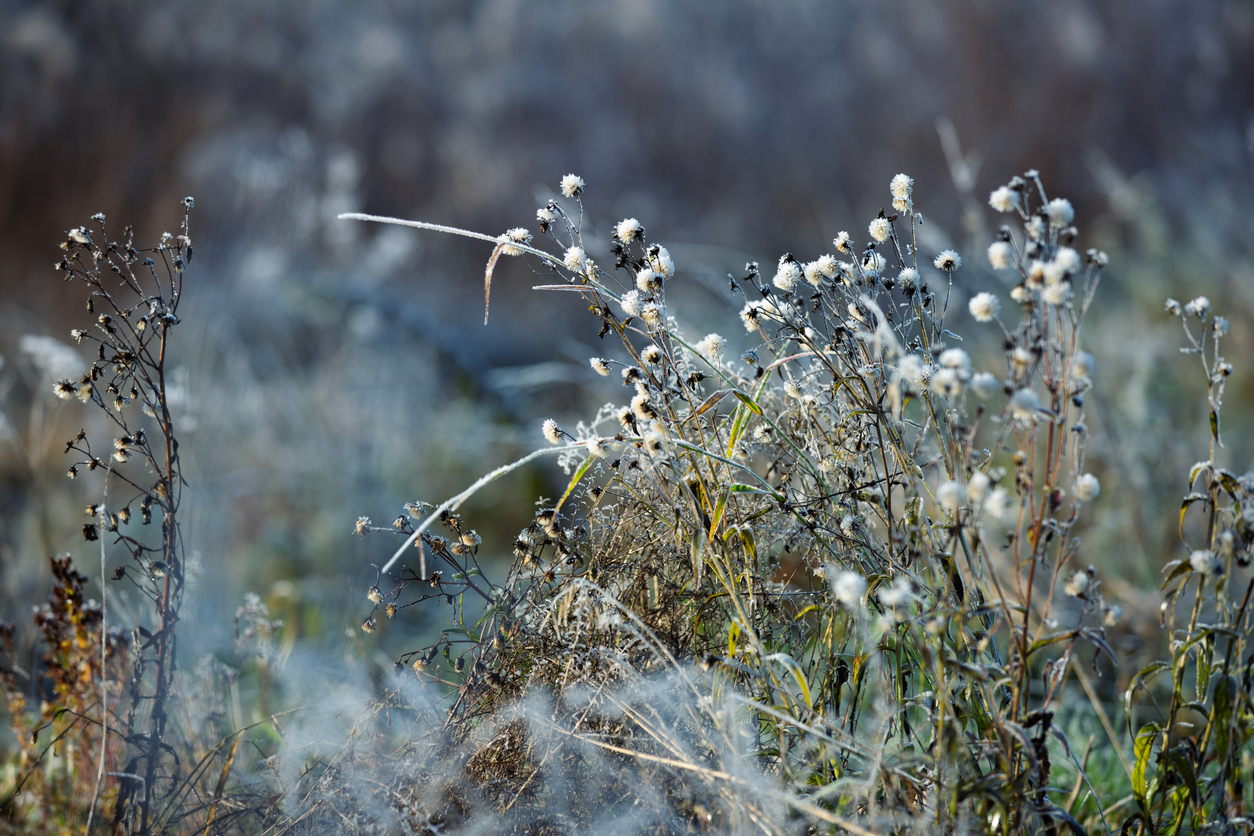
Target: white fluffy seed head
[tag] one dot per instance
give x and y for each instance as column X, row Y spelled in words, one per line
column 652, row 313
column 978, row 485
column 651, row 355
column 951, row 496
column 841, row 242
column 1001, row 255
column 1078, row 584
column 787, row 275
column 948, row 260
column 1067, row 259
column 873, row 264
column 596, row 447
column 662, row 261
column 1204, row 562
column 984, row 385
column 1056, row 294
column 712, row 346
column 901, row 187
column 827, row 265
column 1087, row 487
column 997, row 502
column 983, row 307
column 549, row 428
column 628, row 230
column 1004, row 199
column 954, row 358
column 849, row 587
column 908, row 278
column 572, row 185
column 517, row 235
column 1024, row 405
column 1060, row 212
column 648, row 281
column 879, row 229
column 599, row 366
column 574, row 259
column 631, row 303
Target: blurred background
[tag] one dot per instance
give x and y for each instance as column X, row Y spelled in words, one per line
column 329, row 370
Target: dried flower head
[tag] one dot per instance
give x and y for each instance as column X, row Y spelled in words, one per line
column 984, row 385
column 880, row 229
column 1024, row 405
column 787, row 274
column 1004, row 199
column 908, row 279
column 841, row 242
column 549, row 428
column 628, row 230
column 1078, row 584
column 1087, row 487
column 572, row 185
column 983, row 307
column 948, row 261
column 599, row 366
column 574, row 259
column 1001, row 255
column 849, row 587
column 712, row 346
column 951, row 496
column 517, row 235
column 651, row 354
column 631, row 303
column 1060, row 212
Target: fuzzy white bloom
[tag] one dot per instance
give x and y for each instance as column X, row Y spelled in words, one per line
column 599, row 366
column 983, row 307
column 1001, row 255
column 984, row 385
column 873, row 264
column 1054, row 272
column 653, row 444
column 827, row 265
column 751, row 314
column 901, row 186
column 954, row 358
column 1019, row 294
column 787, row 275
column 997, row 502
column 841, row 242
column 899, row 593
column 880, row 229
column 908, row 278
column 912, row 369
column 1087, row 487
column 1021, row 358
column 572, row 185
column 1111, row 613
column 813, row 273
column 1060, row 212
column 792, row 390
column 948, row 261
column 79, row 236
column 1067, row 259
column 574, row 259
column 652, row 313
column 648, row 281
column 1035, row 227
column 978, row 485
column 1024, row 405
column 549, row 428
column 1078, row 584
column 849, row 588
column 651, row 355
column 711, row 347
column 1003, row 199
column 631, row 303
column 596, row 447
column 1056, row 294
column 951, row 496
column 628, row 230
column 1198, row 307
column 1220, row 325
column 947, row 383
column 1083, row 365
column 641, row 406
column 545, row 215
column 662, row 262
column 1204, row 562
column 517, row 235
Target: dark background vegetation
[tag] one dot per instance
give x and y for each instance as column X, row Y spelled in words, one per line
column 332, row 370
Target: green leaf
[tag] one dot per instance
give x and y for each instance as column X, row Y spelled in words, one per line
column 747, row 401
column 583, row 468
column 1142, row 750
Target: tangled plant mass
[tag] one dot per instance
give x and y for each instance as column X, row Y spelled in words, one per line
column 817, row 573
column 849, row 551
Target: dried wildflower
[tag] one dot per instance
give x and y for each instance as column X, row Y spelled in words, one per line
column 631, row 303
column 997, row 502
column 1060, row 212
column 873, row 264
column 1111, row 613
column 827, row 265
column 954, row 358
column 897, row 594
column 1173, row 307
column 951, row 496
column 628, row 230
column 948, row 261
column 913, row 370
column 649, row 281
column 549, row 428
column 983, row 307
column 1001, row 255
column 651, row 355
column 572, row 185
column 908, row 279
column 517, row 235
column 1056, row 294
column 841, row 242
column 64, row 389
column 574, row 259
column 653, row 444
column 631, row 374
column 652, row 313
column 978, row 485
column 369, row 625
column 787, row 274
column 374, row 595
column 1083, row 365
column 711, row 346
column 1219, row 325
column 596, row 447
column 880, row 229
column 363, row 526
column 849, row 587
column 661, row 260
column 1087, row 487
column 1024, row 405
column 792, row 390
column 1004, row 199
column 1198, row 307
column 1205, row 562
column 599, row 366
column 1078, row 584
column 813, row 274
column 546, row 217
column 642, row 408
column 901, row 187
